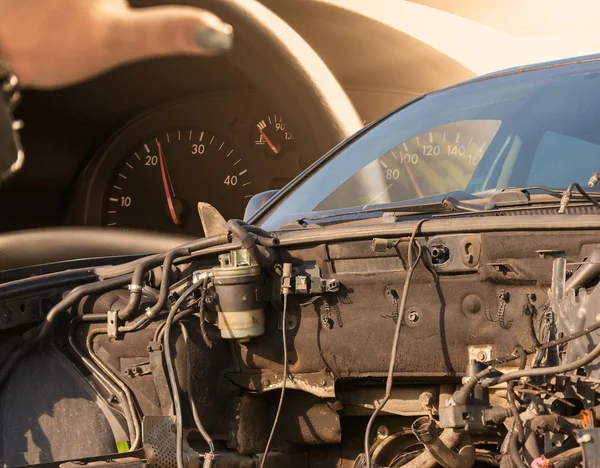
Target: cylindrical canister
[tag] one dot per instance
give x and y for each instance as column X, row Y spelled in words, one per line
column 240, row 308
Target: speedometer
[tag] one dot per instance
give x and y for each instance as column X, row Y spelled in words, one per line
column 160, row 183
column 439, row 160
column 436, row 161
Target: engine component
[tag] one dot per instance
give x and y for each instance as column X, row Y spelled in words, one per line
column 576, row 311
column 329, row 337
column 426, row 431
column 472, row 414
column 238, row 284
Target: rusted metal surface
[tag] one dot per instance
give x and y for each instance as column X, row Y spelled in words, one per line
column 404, row 400
column 319, row 384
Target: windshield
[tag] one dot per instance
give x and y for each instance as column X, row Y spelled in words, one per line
column 535, row 128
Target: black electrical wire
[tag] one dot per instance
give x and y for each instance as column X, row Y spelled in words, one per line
column 188, row 379
column 263, row 462
column 89, row 342
column 171, row 369
column 412, row 263
column 159, row 333
column 205, row 337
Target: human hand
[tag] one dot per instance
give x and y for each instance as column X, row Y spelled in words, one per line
column 52, row 43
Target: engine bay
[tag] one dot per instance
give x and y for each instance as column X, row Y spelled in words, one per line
column 422, row 343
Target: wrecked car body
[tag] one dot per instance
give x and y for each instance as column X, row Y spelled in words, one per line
column 364, row 316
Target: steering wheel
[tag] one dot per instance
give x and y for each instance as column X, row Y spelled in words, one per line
column 278, row 62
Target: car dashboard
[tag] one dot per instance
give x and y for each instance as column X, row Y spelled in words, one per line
column 139, row 146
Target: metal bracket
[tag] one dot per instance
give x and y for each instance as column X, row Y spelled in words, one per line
column 138, row 369
column 308, row 281
column 112, row 323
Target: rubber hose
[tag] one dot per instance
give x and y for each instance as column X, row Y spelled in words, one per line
column 142, row 268
column 165, row 282
column 513, row 450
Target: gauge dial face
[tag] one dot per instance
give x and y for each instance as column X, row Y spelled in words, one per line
column 439, row 160
column 160, row 184
column 272, row 135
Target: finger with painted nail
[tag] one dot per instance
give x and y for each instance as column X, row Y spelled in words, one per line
column 60, row 42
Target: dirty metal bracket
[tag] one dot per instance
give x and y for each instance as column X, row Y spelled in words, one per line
column 112, row 324
column 138, row 370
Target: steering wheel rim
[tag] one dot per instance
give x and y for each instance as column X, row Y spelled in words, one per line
column 291, row 72
column 307, row 86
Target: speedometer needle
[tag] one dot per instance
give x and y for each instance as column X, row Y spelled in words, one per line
column 271, row 145
column 165, row 179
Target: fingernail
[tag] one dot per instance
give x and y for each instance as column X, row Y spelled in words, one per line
column 217, row 38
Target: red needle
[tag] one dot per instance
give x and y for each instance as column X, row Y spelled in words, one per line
column 271, row 145
column 412, row 178
column 164, row 174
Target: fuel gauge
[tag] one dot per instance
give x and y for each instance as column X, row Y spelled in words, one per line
column 272, row 135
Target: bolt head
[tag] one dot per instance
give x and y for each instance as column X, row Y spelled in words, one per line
column 383, row 432
column 413, row 316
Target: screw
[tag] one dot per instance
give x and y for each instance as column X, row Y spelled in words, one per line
column 383, row 432
column 482, row 356
column 413, row 317
column 266, row 383
column 5, row 316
